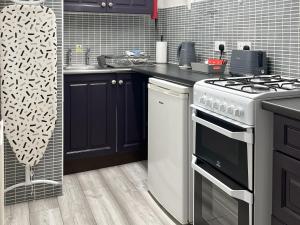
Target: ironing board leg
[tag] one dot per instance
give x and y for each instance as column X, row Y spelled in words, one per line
column 28, row 181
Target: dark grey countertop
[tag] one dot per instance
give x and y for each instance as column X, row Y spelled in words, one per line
column 96, row 71
column 173, row 73
column 170, row 72
column 289, row 107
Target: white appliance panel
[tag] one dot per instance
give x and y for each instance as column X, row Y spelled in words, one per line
column 168, row 149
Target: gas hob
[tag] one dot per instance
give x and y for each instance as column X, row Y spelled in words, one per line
column 235, row 97
column 258, row 84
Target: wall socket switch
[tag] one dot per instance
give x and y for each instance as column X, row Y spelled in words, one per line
column 218, row 43
column 242, row 44
column 78, row 48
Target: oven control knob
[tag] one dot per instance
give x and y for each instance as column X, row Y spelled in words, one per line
column 216, row 105
column 223, row 107
column 209, row 102
column 230, row 109
column 202, row 99
column 238, row 112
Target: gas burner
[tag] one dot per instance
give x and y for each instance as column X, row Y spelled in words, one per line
column 257, row 88
column 265, row 79
column 291, row 85
column 297, row 85
column 257, row 84
column 231, row 82
column 260, row 80
column 291, row 79
column 227, row 82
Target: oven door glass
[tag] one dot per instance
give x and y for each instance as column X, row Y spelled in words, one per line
column 222, row 149
column 213, row 206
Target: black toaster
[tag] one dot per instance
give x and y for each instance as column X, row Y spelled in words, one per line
column 246, row 62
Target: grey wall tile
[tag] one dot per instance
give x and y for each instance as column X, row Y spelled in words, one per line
column 271, row 25
column 108, row 34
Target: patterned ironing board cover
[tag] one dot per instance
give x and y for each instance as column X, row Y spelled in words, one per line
column 28, row 58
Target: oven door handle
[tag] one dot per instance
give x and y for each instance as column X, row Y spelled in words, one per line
column 242, row 195
column 241, row 136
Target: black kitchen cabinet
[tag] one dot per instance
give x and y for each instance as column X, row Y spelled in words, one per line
column 109, row 6
column 104, row 120
column 130, row 6
column 89, row 115
column 275, row 221
column 286, row 171
column 97, row 6
column 287, row 136
column 286, row 189
column 132, row 112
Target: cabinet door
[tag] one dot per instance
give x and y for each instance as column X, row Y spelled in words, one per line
column 286, row 189
column 130, row 6
column 275, row 221
column 90, row 116
column 101, row 116
column 85, row 5
column 132, row 112
column 287, row 136
column 76, row 114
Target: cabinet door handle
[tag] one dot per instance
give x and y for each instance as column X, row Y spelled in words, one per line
column 110, row 5
column 103, row 4
column 113, row 82
column 121, row 82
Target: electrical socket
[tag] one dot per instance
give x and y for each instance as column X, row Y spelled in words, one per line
column 241, row 44
column 78, row 48
column 218, row 43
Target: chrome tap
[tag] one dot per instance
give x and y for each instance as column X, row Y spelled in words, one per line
column 69, row 56
column 88, row 56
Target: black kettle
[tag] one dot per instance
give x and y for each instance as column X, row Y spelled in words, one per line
column 186, row 54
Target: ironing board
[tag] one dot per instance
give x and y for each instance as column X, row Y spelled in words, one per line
column 28, row 57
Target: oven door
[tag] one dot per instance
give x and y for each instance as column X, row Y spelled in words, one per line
column 217, row 199
column 224, row 144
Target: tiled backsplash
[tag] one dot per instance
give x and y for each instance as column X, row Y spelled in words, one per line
column 273, row 26
column 107, row 34
column 50, row 167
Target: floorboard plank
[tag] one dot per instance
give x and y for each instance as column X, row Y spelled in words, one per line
column 111, row 196
column 130, row 199
column 43, row 205
column 46, row 217
column 105, row 208
column 73, row 204
column 17, row 214
column 137, row 174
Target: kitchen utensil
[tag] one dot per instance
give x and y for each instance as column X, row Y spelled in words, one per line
column 245, row 62
column 102, row 61
column 161, row 51
column 186, row 54
column 209, row 69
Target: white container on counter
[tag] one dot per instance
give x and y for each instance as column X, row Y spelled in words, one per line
column 161, row 52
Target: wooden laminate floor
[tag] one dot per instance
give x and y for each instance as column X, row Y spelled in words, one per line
column 111, row 196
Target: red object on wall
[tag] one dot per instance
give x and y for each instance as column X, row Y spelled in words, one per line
column 155, row 10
